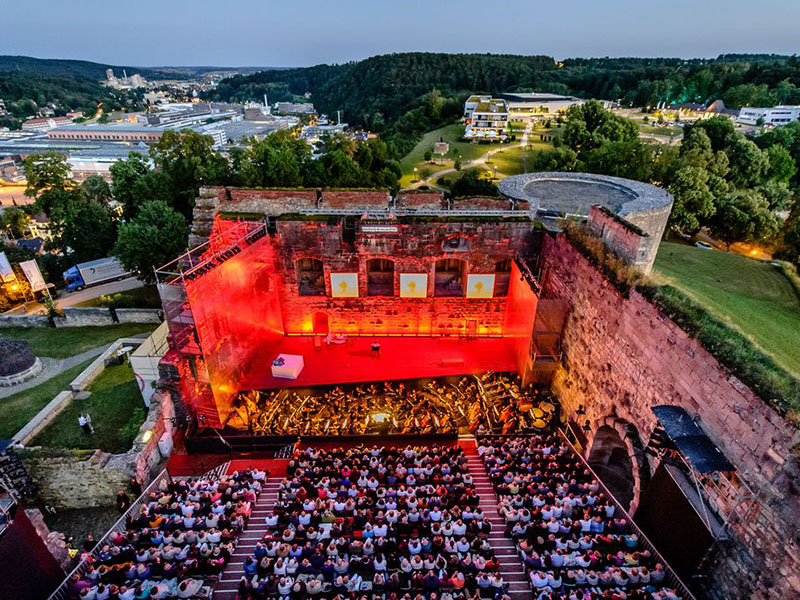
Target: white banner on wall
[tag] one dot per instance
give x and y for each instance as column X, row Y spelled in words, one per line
column 7, row 274
column 413, row 285
column 34, row 275
column 344, row 285
column 480, row 286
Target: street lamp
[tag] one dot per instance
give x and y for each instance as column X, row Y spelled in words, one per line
column 415, row 174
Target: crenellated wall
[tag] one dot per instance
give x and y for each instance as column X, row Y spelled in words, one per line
column 622, row 357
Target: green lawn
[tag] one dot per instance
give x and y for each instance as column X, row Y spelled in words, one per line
column 143, row 297
column 656, row 130
column 68, row 341
column 17, row 410
column 451, row 134
column 509, row 160
column 751, row 295
column 117, row 412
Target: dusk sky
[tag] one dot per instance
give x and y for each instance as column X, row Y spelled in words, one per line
column 286, row 33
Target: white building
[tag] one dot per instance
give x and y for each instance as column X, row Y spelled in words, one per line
column 526, row 107
column 485, row 118
column 775, row 116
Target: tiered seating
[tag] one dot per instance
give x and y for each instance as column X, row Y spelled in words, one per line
column 183, row 535
column 570, row 539
column 375, row 523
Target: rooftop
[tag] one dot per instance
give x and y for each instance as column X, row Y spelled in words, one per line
column 574, row 193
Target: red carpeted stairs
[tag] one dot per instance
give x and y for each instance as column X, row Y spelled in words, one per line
column 226, row 587
column 511, row 567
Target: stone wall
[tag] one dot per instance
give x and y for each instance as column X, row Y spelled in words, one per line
column 78, row 480
column 76, row 316
column 138, row 315
column 627, row 241
column 24, row 321
column 622, row 357
column 413, row 248
column 431, row 200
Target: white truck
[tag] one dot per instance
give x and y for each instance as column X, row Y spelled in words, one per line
column 94, row 272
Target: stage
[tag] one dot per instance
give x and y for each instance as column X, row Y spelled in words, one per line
column 400, row 358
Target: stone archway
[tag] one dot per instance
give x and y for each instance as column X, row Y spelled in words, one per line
column 617, row 456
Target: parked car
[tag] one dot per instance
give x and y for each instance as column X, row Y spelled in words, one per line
column 704, row 245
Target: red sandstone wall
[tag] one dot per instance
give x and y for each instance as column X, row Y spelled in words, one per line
column 624, row 241
column 624, row 357
column 431, row 200
column 481, row 204
column 355, row 198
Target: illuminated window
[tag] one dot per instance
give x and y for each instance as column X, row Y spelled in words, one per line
column 502, row 275
column 380, row 277
column 310, row 277
column 450, row 278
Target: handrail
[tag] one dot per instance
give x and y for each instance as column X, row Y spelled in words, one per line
column 62, row 592
column 671, row 577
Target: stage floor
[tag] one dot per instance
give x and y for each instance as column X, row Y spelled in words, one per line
column 400, row 358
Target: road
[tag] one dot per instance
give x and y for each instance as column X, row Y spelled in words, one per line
column 73, row 298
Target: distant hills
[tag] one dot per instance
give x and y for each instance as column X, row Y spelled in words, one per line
column 55, row 67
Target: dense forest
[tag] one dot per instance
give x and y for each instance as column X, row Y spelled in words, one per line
column 71, row 68
column 25, row 93
column 390, row 94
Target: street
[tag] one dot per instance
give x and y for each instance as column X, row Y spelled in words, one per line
column 74, row 298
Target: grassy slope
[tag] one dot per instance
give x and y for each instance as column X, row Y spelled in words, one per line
column 68, row 341
column 451, row 134
column 17, row 410
column 751, row 295
column 116, row 409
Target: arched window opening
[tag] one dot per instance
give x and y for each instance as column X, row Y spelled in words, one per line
column 502, row 277
column 310, row 277
column 450, row 278
column 380, row 277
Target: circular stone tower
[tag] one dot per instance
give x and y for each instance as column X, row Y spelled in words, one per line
column 17, row 362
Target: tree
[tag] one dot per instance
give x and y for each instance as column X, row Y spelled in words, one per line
column 189, row 160
column 791, row 240
column 428, row 155
column 633, row 160
column 125, row 174
column 748, row 164
column 777, row 194
column 589, row 125
column 87, row 230
column 457, row 164
column 781, row 166
column 743, row 216
column 14, row 220
column 557, row 159
column 96, row 189
column 694, row 202
column 49, row 182
column 472, row 184
column 153, row 238
column 716, row 128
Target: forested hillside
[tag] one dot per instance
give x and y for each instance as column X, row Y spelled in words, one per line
column 391, row 93
column 73, row 68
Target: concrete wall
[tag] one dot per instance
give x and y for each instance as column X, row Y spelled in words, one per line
column 44, row 417
column 622, row 357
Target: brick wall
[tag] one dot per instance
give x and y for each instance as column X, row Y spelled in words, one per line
column 622, row 357
column 481, row 204
column 430, row 200
column 414, row 248
column 355, row 199
column 628, row 243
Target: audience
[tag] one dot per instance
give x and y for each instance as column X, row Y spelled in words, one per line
column 570, row 538
column 375, row 523
column 182, row 535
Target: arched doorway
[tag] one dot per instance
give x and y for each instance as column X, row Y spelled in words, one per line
column 450, row 278
column 610, row 458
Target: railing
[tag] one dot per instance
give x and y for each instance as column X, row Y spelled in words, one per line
column 671, row 577
column 62, row 593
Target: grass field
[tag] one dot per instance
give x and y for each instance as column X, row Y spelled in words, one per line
column 116, row 409
column 17, row 410
column 142, row 297
column 68, row 341
column 751, row 295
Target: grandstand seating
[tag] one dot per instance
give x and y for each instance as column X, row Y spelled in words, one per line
column 178, row 541
column 571, row 537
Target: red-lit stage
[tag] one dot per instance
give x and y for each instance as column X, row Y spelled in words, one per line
column 400, row 358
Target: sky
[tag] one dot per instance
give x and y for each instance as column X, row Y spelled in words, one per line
column 308, row 32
